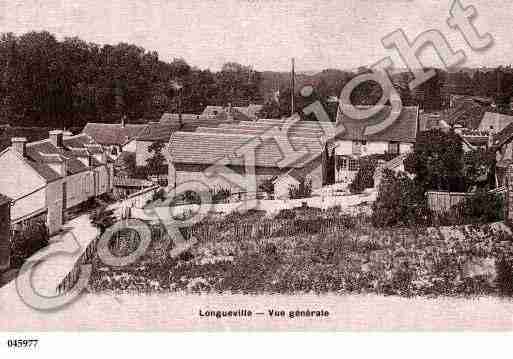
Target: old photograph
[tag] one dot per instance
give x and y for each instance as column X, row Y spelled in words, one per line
column 256, row 165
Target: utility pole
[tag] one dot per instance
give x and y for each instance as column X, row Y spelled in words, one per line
column 292, row 107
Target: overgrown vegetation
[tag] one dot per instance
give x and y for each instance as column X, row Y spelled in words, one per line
column 102, row 218
column 482, row 207
column 27, row 240
column 472, row 260
column 400, row 201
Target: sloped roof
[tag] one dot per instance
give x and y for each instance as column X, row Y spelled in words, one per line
column 250, row 111
column 503, row 137
column 403, row 129
column 175, row 117
column 468, row 114
column 158, row 131
column 112, row 133
column 297, row 129
column 497, row 120
column 209, row 148
column 192, row 123
column 212, row 111
column 40, row 153
column 238, row 113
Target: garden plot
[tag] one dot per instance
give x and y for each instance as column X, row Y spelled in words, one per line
column 353, row 258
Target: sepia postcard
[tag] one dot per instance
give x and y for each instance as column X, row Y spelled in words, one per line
column 255, row 165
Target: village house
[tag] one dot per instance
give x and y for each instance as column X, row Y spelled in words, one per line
column 237, row 113
column 5, row 232
column 192, row 153
column 161, row 132
column 352, row 144
column 502, row 145
column 114, row 137
column 48, row 177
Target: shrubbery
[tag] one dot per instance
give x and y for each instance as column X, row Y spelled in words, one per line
column 365, row 176
column 27, row 241
column 482, row 207
column 400, row 201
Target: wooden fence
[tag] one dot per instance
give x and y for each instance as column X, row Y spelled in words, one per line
column 71, row 278
column 444, row 202
column 266, row 228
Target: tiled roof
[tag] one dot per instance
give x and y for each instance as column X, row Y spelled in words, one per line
column 245, row 113
column 208, row 148
column 212, row 111
column 468, row 114
column 175, row 117
column 497, row 120
column 503, row 137
column 403, row 129
column 40, row 153
column 158, row 131
column 112, row 133
column 192, row 124
column 295, row 130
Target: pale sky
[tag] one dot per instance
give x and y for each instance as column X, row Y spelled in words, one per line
column 320, row 34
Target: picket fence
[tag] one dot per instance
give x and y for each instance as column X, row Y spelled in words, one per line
column 265, row 228
column 135, row 200
column 444, row 202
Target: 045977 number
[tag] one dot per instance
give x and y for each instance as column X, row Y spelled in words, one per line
column 22, row 343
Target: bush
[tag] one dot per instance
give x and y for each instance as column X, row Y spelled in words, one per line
column 482, row 207
column 102, row 218
column 400, row 201
column 365, row 176
column 504, row 279
column 28, row 241
column 303, row 190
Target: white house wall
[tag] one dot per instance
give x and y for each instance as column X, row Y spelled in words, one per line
column 79, row 187
column 102, row 180
column 282, row 186
column 130, row 146
column 345, row 148
column 54, row 202
column 141, row 153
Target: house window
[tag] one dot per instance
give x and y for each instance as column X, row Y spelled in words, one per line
column 354, row 165
column 341, row 163
column 357, row 147
column 393, row 147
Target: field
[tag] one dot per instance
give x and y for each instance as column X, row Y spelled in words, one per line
column 356, row 258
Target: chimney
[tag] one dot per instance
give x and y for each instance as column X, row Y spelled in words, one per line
column 123, row 118
column 64, row 167
column 490, row 137
column 230, row 111
column 19, row 144
column 56, row 138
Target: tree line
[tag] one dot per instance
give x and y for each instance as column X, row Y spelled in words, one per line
column 69, row 82
column 47, row 82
